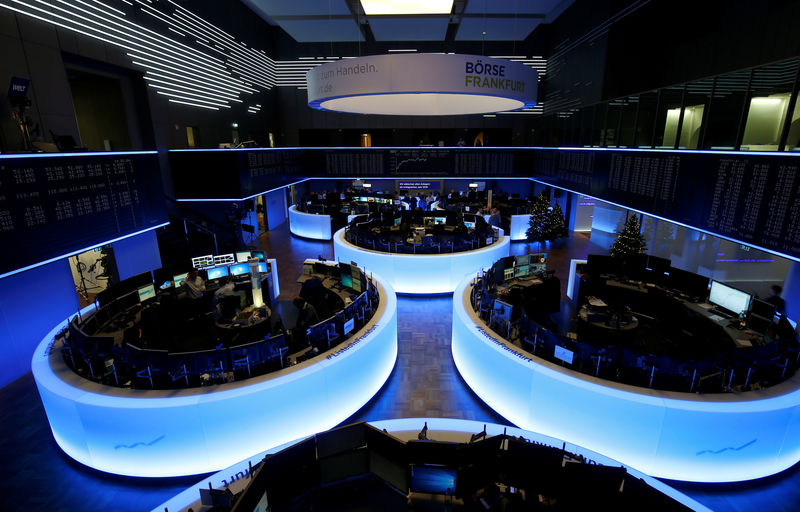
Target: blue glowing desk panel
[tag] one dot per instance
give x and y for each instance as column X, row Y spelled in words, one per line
column 309, row 225
column 160, row 433
column 421, row 273
column 682, row 436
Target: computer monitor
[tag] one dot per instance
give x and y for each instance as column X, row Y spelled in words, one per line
column 523, row 259
column 469, row 225
column 762, row 308
column 242, row 257
column 440, row 220
column 356, row 284
column 689, row 283
column 601, row 264
column 658, row 265
column 308, row 269
column 433, row 480
column 178, row 278
column 166, row 284
column 397, row 221
column 203, row 261
column 146, row 293
column 347, row 280
column 521, row 270
column 759, row 324
column 538, row 263
column 224, row 259
column 239, row 269
column 508, row 273
column 262, row 267
column 258, row 254
column 729, row 298
column 349, row 325
column 501, row 311
column 217, row 272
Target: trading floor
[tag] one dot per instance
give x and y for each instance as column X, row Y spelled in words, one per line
column 424, row 383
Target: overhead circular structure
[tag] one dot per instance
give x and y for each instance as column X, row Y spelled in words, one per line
column 422, row 84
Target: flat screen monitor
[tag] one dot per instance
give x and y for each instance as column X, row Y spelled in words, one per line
column 178, row 279
column 729, row 298
column 759, row 324
column 224, row 259
column 433, row 480
column 521, row 270
column 523, row 259
column 203, row 261
column 347, row 280
column 469, row 225
column 601, row 264
column 397, row 221
column 166, row 284
column 762, row 308
column 694, row 285
column 440, row 220
column 356, row 285
column 262, row 267
column 349, row 325
column 242, row 257
column 258, row 254
column 345, row 268
column 308, row 269
column 342, row 197
column 239, row 269
column 217, row 272
column 147, row 293
column 658, row 265
column 508, row 273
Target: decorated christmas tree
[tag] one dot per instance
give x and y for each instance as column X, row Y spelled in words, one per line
column 555, row 224
column 540, row 213
column 630, row 240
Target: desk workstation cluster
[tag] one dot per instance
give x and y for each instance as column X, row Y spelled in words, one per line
column 514, row 209
column 316, row 218
column 648, row 371
column 200, row 411
column 421, row 252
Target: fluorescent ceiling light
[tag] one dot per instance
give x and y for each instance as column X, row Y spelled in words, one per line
column 388, row 7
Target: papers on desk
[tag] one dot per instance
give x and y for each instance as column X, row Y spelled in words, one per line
column 595, row 302
column 742, row 342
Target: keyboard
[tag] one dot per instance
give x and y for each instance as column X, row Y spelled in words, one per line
column 723, row 314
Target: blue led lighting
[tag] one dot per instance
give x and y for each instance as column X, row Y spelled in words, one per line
column 73, row 253
column 421, row 274
column 161, row 433
column 682, row 436
column 310, row 225
column 93, row 153
column 695, row 228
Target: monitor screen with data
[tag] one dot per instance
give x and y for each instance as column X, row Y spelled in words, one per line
column 146, row 293
column 240, row 269
column 178, row 278
column 727, row 297
column 217, row 272
column 242, row 257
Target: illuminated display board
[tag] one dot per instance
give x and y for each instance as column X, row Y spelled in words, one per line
column 753, row 198
column 52, row 205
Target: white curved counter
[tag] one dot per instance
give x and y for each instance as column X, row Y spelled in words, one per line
column 159, row 433
column 309, row 225
column 421, row 273
column 682, row 436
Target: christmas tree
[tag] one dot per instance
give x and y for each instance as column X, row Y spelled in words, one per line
column 540, row 212
column 630, row 240
column 556, row 224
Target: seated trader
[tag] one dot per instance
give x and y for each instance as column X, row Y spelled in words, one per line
column 776, row 300
column 494, row 218
column 221, row 297
column 306, row 317
column 194, row 285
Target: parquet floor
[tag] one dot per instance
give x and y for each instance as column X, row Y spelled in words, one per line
column 36, row 475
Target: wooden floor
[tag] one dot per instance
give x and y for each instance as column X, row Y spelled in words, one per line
column 37, row 475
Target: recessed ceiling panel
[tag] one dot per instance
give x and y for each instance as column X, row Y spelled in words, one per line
column 497, row 29
column 400, row 7
column 511, row 6
column 398, row 28
column 315, row 31
column 273, row 8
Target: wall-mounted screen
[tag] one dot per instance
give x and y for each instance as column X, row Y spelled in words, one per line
column 729, row 298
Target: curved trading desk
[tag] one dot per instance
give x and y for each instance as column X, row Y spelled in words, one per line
column 421, row 273
column 197, row 430
column 682, row 436
column 309, row 225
